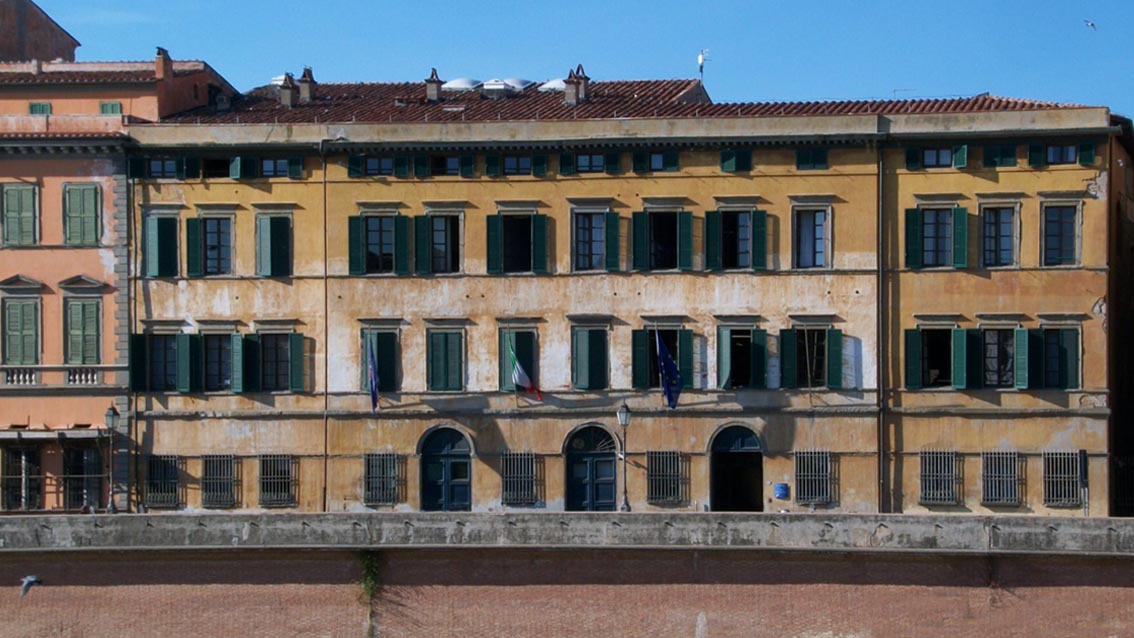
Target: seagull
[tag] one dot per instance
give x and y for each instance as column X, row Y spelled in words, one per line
column 26, row 583
column 1090, row 24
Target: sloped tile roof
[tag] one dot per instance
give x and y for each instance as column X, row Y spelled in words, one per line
column 83, row 77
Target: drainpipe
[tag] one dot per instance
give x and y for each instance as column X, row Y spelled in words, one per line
column 881, row 337
column 326, row 332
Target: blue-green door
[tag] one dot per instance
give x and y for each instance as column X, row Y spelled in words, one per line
column 592, row 476
column 446, row 472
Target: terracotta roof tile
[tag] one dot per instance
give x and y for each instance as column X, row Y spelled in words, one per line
column 84, row 77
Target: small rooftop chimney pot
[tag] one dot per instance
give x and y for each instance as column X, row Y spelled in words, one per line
column 163, row 64
column 571, row 88
column 306, row 85
column 289, row 93
column 584, row 82
column 433, row 87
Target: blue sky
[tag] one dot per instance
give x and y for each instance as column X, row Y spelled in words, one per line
column 758, row 51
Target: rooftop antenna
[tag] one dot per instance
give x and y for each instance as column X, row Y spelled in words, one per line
column 702, row 58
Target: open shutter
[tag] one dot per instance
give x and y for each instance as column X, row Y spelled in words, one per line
column 355, row 248
column 758, row 358
column 670, row 161
column 386, row 356
column 468, row 165
column 237, row 368
column 539, row 164
column 611, row 228
column 139, row 358
column 913, row 238
column 1036, row 155
column 281, row 246
column 913, row 161
column 152, row 246
column 194, row 248
column 641, row 162
column 492, row 165
column 834, row 358
column 728, row 160
column 566, row 163
column 640, row 358
column 724, row 358
column 295, row 167
column 236, row 167
column 252, row 363
column 494, row 248
column 421, row 244
column 401, row 166
column 685, row 240
column 612, row 162
column 295, row 362
column 960, row 359
column 1021, row 363
column 913, row 358
column 421, row 166
column 641, row 241
column 759, row 240
column 789, row 377
column 713, row 239
column 401, row 245
column 685, row 357
column 1087, row 154
column 581, row 359
column 961, row 156
column 185, row 366
column 1069, row 357
column 355, row 165
column 539, row 244
column 264, row 246
column 960, row 237
column 179, row 168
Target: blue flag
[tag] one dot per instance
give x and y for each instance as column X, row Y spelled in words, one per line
column 669, row 374
column 372, row 377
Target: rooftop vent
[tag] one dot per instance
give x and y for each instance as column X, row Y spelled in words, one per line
column 553, row 85
column 461, row 84
column 497, row 88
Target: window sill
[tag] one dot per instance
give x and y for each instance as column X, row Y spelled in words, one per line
column 1061, row 267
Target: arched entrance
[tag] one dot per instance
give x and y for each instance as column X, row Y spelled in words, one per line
column 446, row 472
column 591, row 474
column 737, row 468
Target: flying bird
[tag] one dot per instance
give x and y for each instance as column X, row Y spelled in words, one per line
column 26, row 583
column 1090, row 24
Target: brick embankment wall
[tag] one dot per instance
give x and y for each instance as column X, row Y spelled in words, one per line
column 527, row 593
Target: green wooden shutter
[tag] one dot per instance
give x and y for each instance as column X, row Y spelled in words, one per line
column 386, row 356
column 612, row 162
column 960, row 237
column 640, row 358
column 724, row 358
column 355, row 165
column 401, row 166
column 913, row 238
column 567, row 163
column 507, row 341
column 264, row 246
column 913, row 162
column 356, row 251
column 641, row 161
column 1037, row 155
column 612, row 230
column 421, row 166
column 421, row 244
column 961, row 156
column 468, row 165
column 728, row 160
column 580, row 359
column 295, row 167
column 913, row 358
column 401, row 245
column 819, row 159
column 492, row 165
column 252, row 381
column 179, row 168
column 184, row 345
column 194, row 248
column 237, row 370
column 759, row 240
column 296, row 362
column 72, row 202
column 191, row 167
column 1022, row 367
column 152, row 246
column 435, row 372
column 453, row 351
column 789, row 377
column 641, row 241
column 139, row 358
column 685, row 240
column 1087, row 154
column 89, row 340
column 713, row 239
column 758, row 358
column 88, row 215
column 960, row 359
column 237, row 167
column 670, row 161
column 802, row 159
column 743, row 160
column 281, row 246
column 494, row 248
column 27, row 216
column 1069, row 353
column 834, row 358
column 539, row 164
column 539, row 244
column 685, row 357
column 21, row 330
column 19, row 215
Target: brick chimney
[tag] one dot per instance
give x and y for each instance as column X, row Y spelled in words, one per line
column 306, row 85
column 163, row 65
column 571, row 88
column 289, row 92
column 433, row 87
column 584, row 82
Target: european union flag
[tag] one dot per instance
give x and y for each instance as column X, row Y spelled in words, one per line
column 668, row 373
column 372, row 377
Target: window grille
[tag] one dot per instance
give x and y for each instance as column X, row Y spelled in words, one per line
column 1002, row 476
column 21, row 479
column 665, row 478
column 381, row 479
column 814, row 478
column 162, row 481
column 218, row 481
column 278, row 480
column 82, row 478
column 1061, row 475
column 941, row 481
column 518, row 470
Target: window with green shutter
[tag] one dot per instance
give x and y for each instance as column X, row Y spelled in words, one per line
column 589, row 358
column 82, row 330
column 741, row 358
column 21, row 331
column 663, row 240
column 445, row 360
column 521, row 344
column 378, row 244
column 1059, row 358
column 999, row 155
column 273, row 246
column 678, row 342
column 39, row 108
column 160, row 256
column 811, row 159
column 110, row 108
column 811, row 358
column 516, row 243
column 736, row 160
column 20, row 223
column 384, row 345
column 80, row 214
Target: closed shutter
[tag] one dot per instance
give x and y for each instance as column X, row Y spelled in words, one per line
column 913, row 161
column 685, row 357
column 758, row 359
column 355, row 164
column 913, row 238
column 194, row 248
column 401, row 166
column 21, row 333
column 468, row 165
column 640, row 359
column 19, row 216
column 81, row 216
column 759, row 240
column 82, row 333
column 296, row 362
column 566, row 163
column 539, row 244
column 789, row 376
column 492, row 165
column 421, row 166
column 960, row 359
column 670, row 161
column 960, row 237
column 612, row 230
column 713, row 239
column 494, row 248
column 1036, row 155
column 401, row 245
column 139, row 359
column 539, row 164
column 834, row 358
column 612, row 162
column 913, row 359
column 1021, row 363
column 685, row 240
column 1087, row 154
column 641, row 241
column 454, row 369
column 295, row 167
column 355, row 248
column 421, row 244
column 641, row 162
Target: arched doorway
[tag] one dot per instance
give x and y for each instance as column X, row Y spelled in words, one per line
column 446, row 472
column 591, row 474
column 737, row 468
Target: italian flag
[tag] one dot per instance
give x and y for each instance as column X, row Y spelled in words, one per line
column 520, row 377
